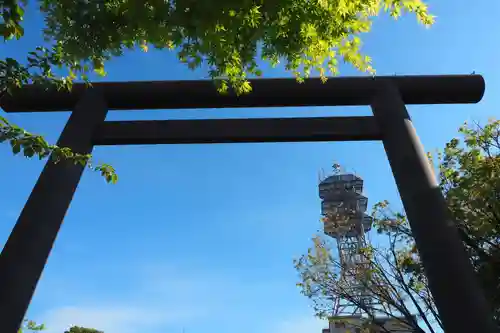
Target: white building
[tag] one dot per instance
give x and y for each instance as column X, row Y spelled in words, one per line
column 353, row 324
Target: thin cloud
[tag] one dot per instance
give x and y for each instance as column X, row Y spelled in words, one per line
column 112, row 318
column 166, row 298
column 134, row 311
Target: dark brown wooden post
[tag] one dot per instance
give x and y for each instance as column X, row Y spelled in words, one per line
column 24, row 255
column 459, row 298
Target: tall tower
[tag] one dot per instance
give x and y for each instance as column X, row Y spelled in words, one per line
column 343, row 206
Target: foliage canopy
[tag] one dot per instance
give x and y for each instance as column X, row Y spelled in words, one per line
column 228, row 36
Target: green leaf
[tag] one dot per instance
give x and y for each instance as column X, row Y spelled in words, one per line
column 16, row 148
column 29, row 152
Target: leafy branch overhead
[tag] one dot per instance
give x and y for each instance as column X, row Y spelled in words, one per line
column 226, row 36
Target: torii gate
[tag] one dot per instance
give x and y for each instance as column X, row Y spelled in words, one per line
column 459, row 298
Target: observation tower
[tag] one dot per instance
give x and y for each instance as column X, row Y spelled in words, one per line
column 343, row 207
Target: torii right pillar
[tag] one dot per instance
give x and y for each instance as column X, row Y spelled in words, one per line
column 459, row 298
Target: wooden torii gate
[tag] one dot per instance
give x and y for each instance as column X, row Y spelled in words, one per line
column 459, row 298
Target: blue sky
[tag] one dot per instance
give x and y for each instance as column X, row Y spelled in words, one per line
column 202, row 237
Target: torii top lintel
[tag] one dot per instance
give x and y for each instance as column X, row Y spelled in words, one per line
column 337, row 91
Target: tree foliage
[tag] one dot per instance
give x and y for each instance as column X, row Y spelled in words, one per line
column 33, row 327
column 30, row 325
column 389, row 288
column 35, row 145
column 78, row 329
column 469, row 176
column 229, row 37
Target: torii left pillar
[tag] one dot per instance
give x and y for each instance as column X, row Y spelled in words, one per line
column 21, row 263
